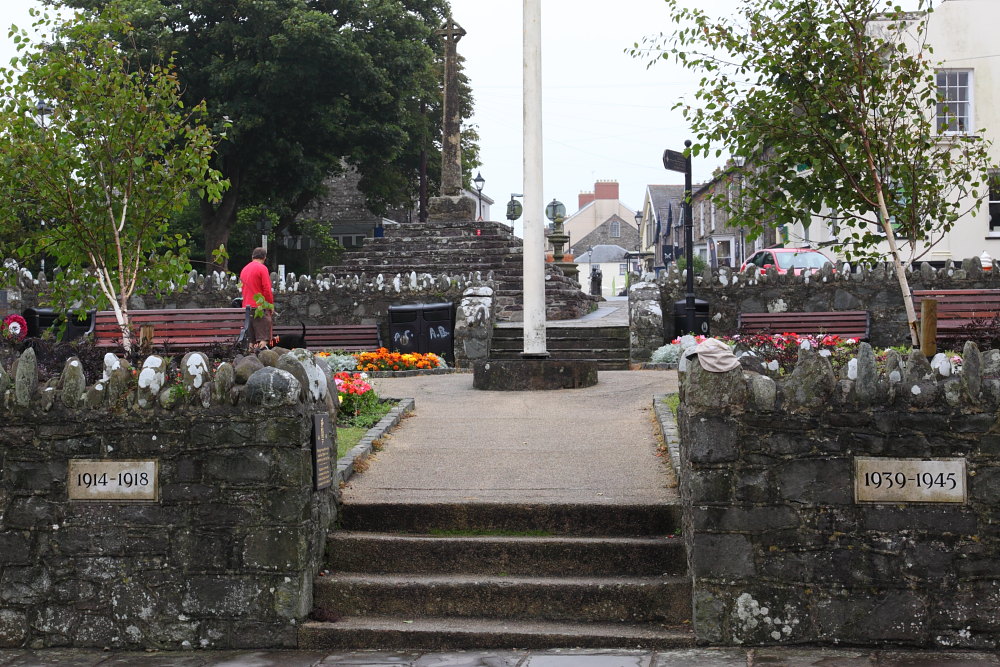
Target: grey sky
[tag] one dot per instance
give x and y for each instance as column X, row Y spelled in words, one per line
column 605, row 116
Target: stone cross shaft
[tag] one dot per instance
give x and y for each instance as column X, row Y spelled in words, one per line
column 451, row 158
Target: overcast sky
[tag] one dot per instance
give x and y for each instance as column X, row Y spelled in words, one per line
column 605, row 115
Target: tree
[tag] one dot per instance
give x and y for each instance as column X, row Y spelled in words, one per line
column 310, row 86
column 117, row 156
column 831, row 103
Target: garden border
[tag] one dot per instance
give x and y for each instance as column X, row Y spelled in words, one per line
column 668, row 429
column 414, row 372
column 345, row 464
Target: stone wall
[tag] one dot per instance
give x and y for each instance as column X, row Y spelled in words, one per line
column 224, row 558
column 323, row 299
column 875, row 289
column 780, row 551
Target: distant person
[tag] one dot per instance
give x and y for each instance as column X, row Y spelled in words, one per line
column 256, row 281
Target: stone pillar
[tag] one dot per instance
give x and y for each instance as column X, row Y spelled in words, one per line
column 451, row 158
column 474, row 326
column 645, row 321
column 534, row 227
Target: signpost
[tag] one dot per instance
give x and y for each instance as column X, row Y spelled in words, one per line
column 681, row 162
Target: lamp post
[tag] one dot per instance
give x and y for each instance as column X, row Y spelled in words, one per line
column 638, row 246
column 479, row 182
column 43, row 109
column 514, row 208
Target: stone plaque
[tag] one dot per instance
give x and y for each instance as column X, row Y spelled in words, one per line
column 323, row 454
column 114, row 481
column 880, row 480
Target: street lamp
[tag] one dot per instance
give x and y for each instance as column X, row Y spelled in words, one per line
column 479, row 182
column 554, row 210
column 514, row 208
column 43, row 109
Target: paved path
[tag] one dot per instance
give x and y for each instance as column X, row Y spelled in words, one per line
column 705, row 657
column 592, row 445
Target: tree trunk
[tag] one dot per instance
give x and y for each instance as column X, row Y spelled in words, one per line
column 217, row 221
column 904, row 283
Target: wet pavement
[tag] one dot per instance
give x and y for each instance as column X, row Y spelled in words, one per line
column 699, row 657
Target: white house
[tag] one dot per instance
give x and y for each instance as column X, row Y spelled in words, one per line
column 962, row 34
column 612, row 261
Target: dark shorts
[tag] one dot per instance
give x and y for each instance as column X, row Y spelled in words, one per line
column 260, row 327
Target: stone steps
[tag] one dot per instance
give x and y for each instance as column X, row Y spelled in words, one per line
column 353, row 551
column 608, row 347
column 607, row 576
column 446, row 634
column 455, row 248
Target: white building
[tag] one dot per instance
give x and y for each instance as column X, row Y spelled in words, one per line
column 962, row 34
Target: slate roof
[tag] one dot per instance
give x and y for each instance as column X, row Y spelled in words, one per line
column 602, row 254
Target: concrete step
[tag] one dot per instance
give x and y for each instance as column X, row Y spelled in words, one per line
column 438, row 634
column 609, row 363
column 571, row 519
column 576, row 599
column 385, row 553
column 566, row 333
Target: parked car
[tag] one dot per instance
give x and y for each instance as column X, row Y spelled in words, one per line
column 784, row 260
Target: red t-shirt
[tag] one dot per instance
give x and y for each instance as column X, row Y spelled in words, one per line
column 256, row 280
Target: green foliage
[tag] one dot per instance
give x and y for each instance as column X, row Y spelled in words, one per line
column 314, row 87
column 262, row 305
column 117, row 156
column 697, row 260
column 831, row 104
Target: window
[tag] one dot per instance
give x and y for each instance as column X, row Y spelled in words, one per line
column 616, row 229
column 994, row 202
column 622, row 268
column 711, row 212
column 701, row 214
column 724, row 252
column 954, row 106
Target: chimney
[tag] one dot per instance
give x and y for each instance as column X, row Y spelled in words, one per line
column 583, row 199
column 606, row 190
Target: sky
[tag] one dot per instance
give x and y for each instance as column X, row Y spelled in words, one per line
column 605, row 116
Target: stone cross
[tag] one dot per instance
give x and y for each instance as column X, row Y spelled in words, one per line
column 451, row 158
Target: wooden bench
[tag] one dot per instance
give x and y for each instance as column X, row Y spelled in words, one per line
column 963, row 313
column 176, row 329
column 347, row 337
column 843, row 323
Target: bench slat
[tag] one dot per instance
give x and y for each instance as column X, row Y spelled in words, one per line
column 961, row 312
column 844, row 323
column 348, row 337
column 183, row 328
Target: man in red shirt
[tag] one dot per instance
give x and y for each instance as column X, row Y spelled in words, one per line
column 256, row 289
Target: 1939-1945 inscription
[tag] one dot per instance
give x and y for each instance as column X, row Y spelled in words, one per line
column 115, row 481
column 881, row 480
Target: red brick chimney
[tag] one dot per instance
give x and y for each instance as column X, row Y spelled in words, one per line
column 606, row 190
column 583, row 199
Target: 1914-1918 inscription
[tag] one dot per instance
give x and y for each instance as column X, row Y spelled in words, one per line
column 880, row 480
column 113, row 481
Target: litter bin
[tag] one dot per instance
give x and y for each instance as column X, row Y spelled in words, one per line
column 40, row 319
column 423, row 328
column 700, row 317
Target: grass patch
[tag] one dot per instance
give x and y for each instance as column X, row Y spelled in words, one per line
column 490, row 533
column 672, row 401
column 348, row 437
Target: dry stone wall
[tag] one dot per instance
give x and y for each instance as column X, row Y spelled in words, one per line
column 729, row 293
column 224, row 557
column 782, row 550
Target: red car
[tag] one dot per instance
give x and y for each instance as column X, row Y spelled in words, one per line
column 787, row 259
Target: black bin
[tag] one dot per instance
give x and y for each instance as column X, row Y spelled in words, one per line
column 700, row 318
column 40, row 319
column 423, row 328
